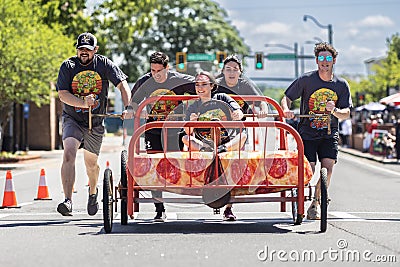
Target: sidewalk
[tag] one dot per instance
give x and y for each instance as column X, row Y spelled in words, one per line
column 357, row 153
column 110, row 144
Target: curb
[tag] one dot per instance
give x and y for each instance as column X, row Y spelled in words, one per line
column 368, row 156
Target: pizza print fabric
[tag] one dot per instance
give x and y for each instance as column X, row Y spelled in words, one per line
column 317, row 105
column 186, row 169
column 85, row 83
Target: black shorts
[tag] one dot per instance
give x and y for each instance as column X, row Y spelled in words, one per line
column 90, row 141
column 324, row 148
column 154, row 140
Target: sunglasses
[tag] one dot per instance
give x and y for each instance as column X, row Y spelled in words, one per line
column 328, row 58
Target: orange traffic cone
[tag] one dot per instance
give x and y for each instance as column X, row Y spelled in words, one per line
column 9, row 199
column 43, row 191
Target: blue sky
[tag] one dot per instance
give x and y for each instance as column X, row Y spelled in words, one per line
column 360, row 29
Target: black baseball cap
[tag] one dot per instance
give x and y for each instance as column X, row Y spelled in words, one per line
column 86, row 40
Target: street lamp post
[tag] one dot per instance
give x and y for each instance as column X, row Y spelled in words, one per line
column 303, row 57
column 295, row 50
column 329, row 27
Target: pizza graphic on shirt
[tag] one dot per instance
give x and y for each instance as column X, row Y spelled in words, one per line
column 85, row 83
column 162, row 108
column 317, row 105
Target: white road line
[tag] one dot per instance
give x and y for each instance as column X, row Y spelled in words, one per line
column 376, row 212
column 25, row 204
column 347, row 217
column 343, row 215
column 370, row 165
column 333, row 216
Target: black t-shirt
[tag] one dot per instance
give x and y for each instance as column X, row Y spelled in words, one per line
column 84, row 80
column 314, row 93
column 175, row 84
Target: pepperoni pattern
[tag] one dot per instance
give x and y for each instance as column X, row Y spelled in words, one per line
column 141, row 166
column 168, row 170
column 278, row 168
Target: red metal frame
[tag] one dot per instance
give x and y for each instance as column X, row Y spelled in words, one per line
column 134, row 149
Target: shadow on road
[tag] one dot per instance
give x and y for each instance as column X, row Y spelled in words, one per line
column 199, row 227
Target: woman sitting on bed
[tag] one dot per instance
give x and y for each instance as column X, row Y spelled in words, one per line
column 206, row 89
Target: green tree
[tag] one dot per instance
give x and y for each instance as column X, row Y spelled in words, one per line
column 385, row 75
column 195, row 26
column 71, row 15
column 120, row 24
column 30, row 55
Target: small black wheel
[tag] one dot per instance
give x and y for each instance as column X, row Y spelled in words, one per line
column 297, row 218
column 108, row 200
column 123, row 192
column 324, row 199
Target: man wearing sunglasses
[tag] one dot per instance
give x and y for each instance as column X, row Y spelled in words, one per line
column 321, row 92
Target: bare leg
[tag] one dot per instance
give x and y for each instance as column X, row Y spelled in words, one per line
column 328, row 164
column 235, row 144
column 92, row 170
column 71, row 146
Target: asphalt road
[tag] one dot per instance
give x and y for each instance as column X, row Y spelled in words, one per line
column 363, row 225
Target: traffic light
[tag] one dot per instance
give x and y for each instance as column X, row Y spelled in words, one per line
column 360, row 98
column 180, row 61
column 259, row 60
column 221, row 55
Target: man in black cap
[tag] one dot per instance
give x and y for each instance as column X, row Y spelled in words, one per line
column 82, row 84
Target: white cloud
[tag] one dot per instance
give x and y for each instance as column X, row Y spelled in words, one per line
column 271, row 28
column 376, row 21
column 241, row 25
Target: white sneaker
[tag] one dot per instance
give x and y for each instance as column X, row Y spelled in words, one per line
column 313, row 211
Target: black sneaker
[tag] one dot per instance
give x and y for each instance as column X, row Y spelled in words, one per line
column 65, row 208
column 93, row 205
column 228, row 215
column 160, row 216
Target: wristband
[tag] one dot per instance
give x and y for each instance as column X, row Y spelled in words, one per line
column 128, row 107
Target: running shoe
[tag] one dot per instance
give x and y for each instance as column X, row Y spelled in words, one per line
column 65, row 208
column 160, row 216
column 313, row 211
column 228, row 215
column 93, row 205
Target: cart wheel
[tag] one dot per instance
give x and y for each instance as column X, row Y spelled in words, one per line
column 108, row 200
column 324, row 199
column 124, row 184
column 297, row 218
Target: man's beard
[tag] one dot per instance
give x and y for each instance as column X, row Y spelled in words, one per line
column 85, row 60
